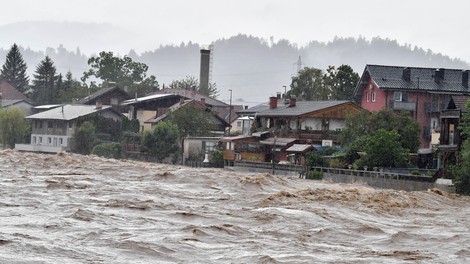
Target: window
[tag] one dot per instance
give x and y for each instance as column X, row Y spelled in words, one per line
column 208, row 146
column 49, row 140
column 50, row 124
column 61, row 141
column 40, row 140
column 239, row 123
column 40, row 124
column 70, row 124
column 34, row 140
column 368, row 97
column 397, row 96
column 374, row 95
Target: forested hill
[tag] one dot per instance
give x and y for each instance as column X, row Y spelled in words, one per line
column 254, row 68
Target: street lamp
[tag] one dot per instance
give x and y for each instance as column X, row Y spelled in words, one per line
column 230, row 112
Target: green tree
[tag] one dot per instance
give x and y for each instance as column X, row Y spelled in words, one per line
column 341, row 81
column 188, row 83
column 44, row 83
column 14, row 70
column 192, row 121
column 365, row 123
column 162, row 141
column 384, row 150
column 192, row 83
column 71, row 89
column 308, row 85
column 461, row 171
column 123, row 71
column 13, row 126
column 84, row 138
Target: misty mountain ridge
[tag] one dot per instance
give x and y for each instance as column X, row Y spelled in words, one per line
column 253, row 68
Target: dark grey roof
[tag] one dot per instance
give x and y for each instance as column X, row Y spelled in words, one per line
column 301, row 108
column 191, row 94
column 424, row 79
column 100, row 93
column 258, row 108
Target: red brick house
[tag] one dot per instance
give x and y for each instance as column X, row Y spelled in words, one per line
column 424, row 92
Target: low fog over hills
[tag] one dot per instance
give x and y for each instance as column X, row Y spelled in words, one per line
column 253, row 68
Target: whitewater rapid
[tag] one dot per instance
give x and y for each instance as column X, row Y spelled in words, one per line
column 69, row 208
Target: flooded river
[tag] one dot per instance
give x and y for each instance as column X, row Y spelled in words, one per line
column 69, row 208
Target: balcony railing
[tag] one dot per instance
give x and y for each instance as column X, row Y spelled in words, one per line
column 408, row 106
column 39, row 148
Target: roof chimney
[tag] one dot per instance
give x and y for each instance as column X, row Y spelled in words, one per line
column 272, row 102
column 439, row 75
column 407, row 74
column 98, row 104
column 292, row 101
column 278, row 95
column 465, row 78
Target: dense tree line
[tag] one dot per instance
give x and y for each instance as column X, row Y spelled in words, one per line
column 313, row 84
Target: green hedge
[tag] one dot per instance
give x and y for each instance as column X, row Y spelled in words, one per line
column 108, row 150
column 315, row 175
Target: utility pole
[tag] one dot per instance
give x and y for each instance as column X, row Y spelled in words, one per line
column 230, row 112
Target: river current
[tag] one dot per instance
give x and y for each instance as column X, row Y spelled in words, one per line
column 69, row 208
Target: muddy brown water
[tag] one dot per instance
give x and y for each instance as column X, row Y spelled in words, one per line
column 69, row 208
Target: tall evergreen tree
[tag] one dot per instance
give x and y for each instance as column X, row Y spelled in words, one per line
column 14, row 69
column 45, row 82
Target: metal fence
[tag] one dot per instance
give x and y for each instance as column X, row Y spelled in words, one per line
column 376, row 174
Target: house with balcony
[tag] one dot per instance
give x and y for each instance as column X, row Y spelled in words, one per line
column 450, row 139
column 423, row 92
column 53, row 129
column 313, row 122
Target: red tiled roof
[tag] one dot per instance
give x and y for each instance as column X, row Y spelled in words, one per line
column 9, row 92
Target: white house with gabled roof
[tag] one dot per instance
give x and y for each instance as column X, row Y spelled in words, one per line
column 53, row 129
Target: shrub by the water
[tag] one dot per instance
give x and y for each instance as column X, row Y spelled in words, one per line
column 315, row 175
column 108, row 150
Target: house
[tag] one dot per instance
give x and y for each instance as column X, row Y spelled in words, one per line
column 423, row 92
column 11, row 97
column 244, row 147
column 195, row 148
column 219, row 123
column 24, row 105
column 53, row 129
column 107, row 96
column 223, row 110
column 147, row 107
column 450, row 139
column 314, row 122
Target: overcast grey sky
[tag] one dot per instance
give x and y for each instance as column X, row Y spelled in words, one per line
column 441, row 26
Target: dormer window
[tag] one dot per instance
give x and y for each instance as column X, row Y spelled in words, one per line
column 397, row 96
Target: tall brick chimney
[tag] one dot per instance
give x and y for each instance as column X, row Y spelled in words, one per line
column 272, row 102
